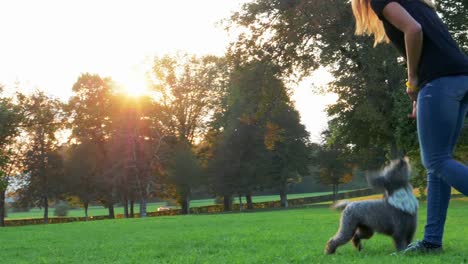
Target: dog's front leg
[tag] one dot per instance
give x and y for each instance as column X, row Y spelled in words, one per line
column 344, row 235
column 400, row 243
column 331, row 247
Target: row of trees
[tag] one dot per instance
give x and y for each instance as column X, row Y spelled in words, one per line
column 210, row 123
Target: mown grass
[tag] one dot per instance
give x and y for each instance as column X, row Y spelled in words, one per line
column 279, row 236
column 152, row 207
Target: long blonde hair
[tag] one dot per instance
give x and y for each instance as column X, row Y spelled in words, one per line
column 368, row 23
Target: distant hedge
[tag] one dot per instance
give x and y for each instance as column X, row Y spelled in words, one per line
column 218, row 208
column 52, row 220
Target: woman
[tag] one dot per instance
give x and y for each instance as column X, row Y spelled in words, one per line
column 438, row 80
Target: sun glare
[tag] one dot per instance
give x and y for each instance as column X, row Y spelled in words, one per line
column 134, row 85
column 135, row 90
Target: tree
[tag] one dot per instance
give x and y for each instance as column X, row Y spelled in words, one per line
column 259, row 141
column 454, row 15
column 239, row 154
column 237, row 162
column 81, row 172
column 285, row 31
column 136, row 146
column 287, row 141
column 334, row 167
column 43, row 166
column 10, row 119
column 188, row 88
column 89, row 115
column 184, row 172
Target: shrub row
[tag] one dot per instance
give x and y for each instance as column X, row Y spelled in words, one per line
column 200, row 210
column 52, row 220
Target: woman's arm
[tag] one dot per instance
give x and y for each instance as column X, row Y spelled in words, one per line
column 401, row 19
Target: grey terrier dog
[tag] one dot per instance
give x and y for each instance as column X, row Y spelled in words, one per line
column 393, row 215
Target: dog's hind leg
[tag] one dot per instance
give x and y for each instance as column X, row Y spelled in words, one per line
column 362, row 232
column 344, row 234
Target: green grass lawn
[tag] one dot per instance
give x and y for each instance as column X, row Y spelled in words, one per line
column 152, row 207
column 278, row 236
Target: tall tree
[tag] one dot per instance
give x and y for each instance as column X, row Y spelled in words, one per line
column 43, row 164
column 262, row 143
column 335, row 167
column 188, row 88
column 136, row 146
column 285, row 138
column 185, row 172
column 287, row 141
column 81, row 172
column 89, row 112
column 239, row 153
column 10, row 118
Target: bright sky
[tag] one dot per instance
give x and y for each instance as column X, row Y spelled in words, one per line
column 47, row 44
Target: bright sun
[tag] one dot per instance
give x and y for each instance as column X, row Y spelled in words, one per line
column 134, row 85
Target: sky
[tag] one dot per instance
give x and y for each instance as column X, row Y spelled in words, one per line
column 47, row 44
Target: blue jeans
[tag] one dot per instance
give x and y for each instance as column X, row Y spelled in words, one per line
column 442, row 106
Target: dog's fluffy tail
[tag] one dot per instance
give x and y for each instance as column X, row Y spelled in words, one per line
column 341, row 205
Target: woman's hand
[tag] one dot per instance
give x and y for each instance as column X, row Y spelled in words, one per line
column 412, row 93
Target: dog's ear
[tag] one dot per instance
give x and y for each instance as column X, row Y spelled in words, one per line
column 407, row 164
column 404, row 169
column 406, row 159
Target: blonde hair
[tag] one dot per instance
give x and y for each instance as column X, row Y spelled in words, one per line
column 368, row 23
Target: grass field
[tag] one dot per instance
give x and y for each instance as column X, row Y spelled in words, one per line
column 279, row 236
column 152, row 207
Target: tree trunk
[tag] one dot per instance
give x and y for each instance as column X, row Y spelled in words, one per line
column 125, row 200
column 227, row 203
column 143, row 207
column 240, row 203
column 335, row 192
column 125, row 195
column 86, row 205
column 44, row 175
column 284, row 198
column 185, row 204
column 111, row 210
column 248, row 197
column 46, row 210
column 132, row 206
column 2, row 207
column 394, row 151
